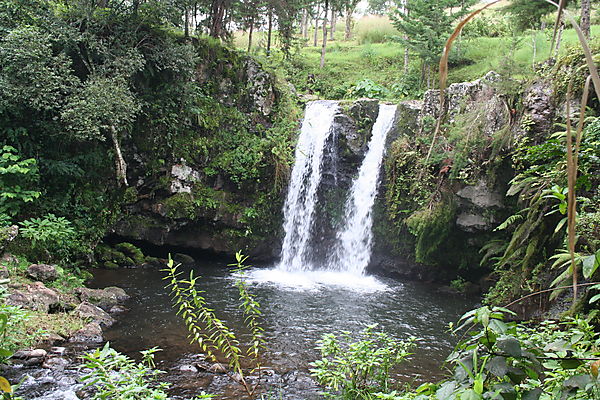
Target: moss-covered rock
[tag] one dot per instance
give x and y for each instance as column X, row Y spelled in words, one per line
column 132, row 252
column 120, row 255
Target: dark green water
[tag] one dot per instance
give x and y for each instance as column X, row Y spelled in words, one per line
column 298, row 309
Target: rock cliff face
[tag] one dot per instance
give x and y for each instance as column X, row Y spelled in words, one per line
column 187, row 204
column 215, row 183
column 475, row 201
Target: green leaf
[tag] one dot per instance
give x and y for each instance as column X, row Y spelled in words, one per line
column 570, row 364
column 511, row 346
column 532, row 394
column 446, row 390
column 497, row 366
column 578, row 381
column 590, row 264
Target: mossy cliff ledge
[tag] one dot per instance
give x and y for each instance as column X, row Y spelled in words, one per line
column 443, row 194
column 207, row 170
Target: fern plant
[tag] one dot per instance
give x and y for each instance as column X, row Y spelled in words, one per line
column 251, row 310
column 210, row 332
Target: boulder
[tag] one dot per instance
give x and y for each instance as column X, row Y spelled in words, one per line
column 117, row 292
column 477, row 206
column 42, row 272
column 111, row 257
column 478, row 95
column 94, row 313
column 261, row 94
column 473, row 222
column 183, row 259
column 538, row 109
column 103, row 298
column 55, row 364
column 6, row 261
column 35, row 297
column 480, row 195
column 183, row 178
column 4, row 273
column 7, row 235
column 26, row 354
column 90, row 333
column 132, row 252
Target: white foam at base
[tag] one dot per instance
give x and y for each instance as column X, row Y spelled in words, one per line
column 315, row 280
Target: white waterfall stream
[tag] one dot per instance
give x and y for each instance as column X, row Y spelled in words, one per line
column 355, row 238
column 351, row 249
column 300, row 204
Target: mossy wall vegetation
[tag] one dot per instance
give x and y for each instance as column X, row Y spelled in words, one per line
column 513, row 159
column 420, row 191
column 185, row 101
column 231, row 126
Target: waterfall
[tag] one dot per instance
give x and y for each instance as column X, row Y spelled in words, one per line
column 350, row 252
column 300, row 204
column 355, row 238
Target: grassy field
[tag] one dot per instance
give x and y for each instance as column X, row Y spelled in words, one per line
column 380, row 66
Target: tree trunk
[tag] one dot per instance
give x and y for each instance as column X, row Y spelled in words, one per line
column 316, row 33
column 348, row 31
column 120, row 165
column 404, row 8
column 269, row 32
column 585, row 17
column 217, row 12
column 186, row 29
column 250, row 34
column 304, row 24
column 561, row 28
column 324, row 47
column 333, row 21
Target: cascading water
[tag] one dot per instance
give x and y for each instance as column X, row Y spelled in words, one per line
column 355, row 239
column 300, row 204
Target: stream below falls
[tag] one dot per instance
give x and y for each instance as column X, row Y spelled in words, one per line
column 298, row 309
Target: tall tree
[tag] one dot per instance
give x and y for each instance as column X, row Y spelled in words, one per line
column 218, row 11
column 287, row 13
column 528, row 14
column 427, row 26
column 350, row 6
column 316, row 31
column 585, row 17
column 324, row 45
column 380, row 7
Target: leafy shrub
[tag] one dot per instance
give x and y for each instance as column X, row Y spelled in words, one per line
column 375, row 29
column 15, row 176
column 208, row 330
column 116, row 376
column 409, row 85
column 506, row 360
column 51, row 234
column 357, row 369
column 11, row 328
column 370, row 89
column 487, row 26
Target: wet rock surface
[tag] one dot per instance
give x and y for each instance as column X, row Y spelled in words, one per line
column 105, row 299
column 55, row 375
column 42, row 272
column 35, row 296
column 96, row 314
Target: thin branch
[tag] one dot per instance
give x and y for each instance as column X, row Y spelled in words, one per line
column 548, row 290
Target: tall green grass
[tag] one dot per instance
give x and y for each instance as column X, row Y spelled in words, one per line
column 375, row 29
